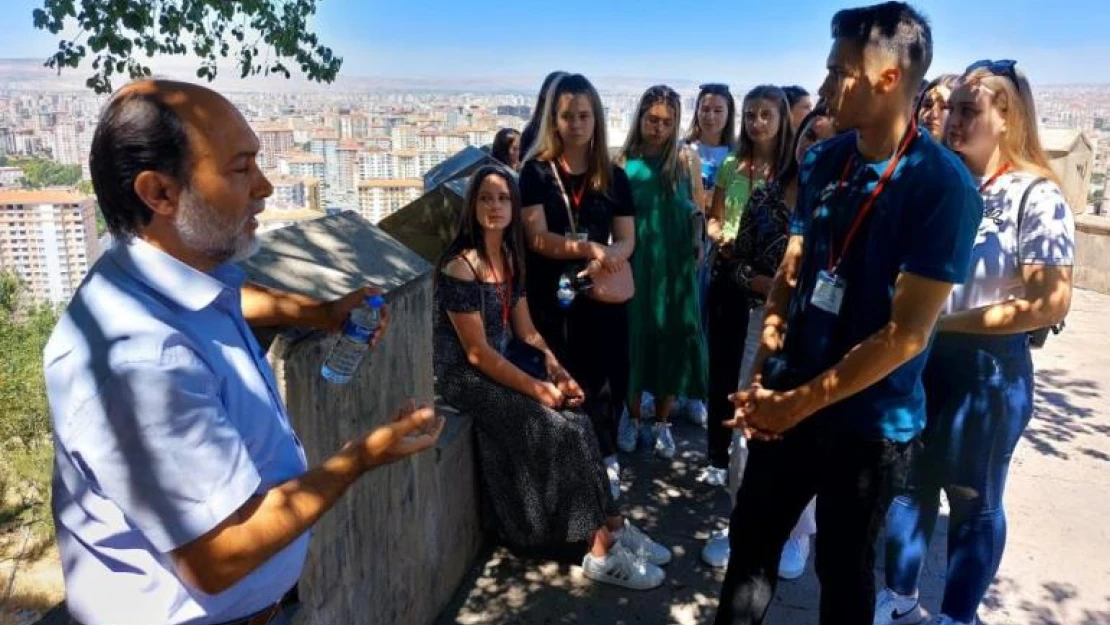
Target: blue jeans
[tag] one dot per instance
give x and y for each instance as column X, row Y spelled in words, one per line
column 979, row 398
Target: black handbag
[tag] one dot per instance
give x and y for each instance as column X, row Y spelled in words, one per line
column 527, row 358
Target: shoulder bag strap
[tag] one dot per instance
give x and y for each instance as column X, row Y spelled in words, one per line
column 1021, row 208
column 566, row 198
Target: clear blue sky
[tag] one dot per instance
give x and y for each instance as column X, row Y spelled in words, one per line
column 738, row 41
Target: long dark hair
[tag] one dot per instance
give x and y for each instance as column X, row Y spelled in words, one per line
column 794, row 93
column 790, row 172
column 501, row 144
column 532, row 128
column 728, row 133
column 784, row 136
column 468, row 236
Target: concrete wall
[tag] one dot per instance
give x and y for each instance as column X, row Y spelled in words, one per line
column 1074, row 170
column 1092, row 249
column 398, row 544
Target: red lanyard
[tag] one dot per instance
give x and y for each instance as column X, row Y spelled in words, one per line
column 1001, row 170
column 581, row 192
column 505, row 289
column 869, row 201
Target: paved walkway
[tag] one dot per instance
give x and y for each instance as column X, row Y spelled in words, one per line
column 1056, row 570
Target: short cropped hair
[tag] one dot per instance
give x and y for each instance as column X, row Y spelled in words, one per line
column 895, row 27
column 137, row 132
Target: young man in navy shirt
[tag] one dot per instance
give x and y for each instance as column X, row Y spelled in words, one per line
column 883, row 229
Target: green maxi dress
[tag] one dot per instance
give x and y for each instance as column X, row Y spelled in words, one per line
column 668, row 350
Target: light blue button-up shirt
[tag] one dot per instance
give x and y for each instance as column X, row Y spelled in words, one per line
column 167, row 419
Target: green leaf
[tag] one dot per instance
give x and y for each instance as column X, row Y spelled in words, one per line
column 116, row 29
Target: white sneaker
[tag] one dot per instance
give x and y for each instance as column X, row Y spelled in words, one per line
column 716, row 550
column 622, row 568
column 792, row 564
column 626, row 433
column 696, row 412
column 664, row 441
column 635, row 540
column 892, row 608
column 712, row 476
column 613, row 472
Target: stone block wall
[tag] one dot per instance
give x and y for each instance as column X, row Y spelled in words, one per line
column 1092, row 250
column 394, row 549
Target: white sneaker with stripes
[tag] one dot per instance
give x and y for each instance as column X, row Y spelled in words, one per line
column 621, row 567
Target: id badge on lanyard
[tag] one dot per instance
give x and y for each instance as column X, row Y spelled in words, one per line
column 828, row 293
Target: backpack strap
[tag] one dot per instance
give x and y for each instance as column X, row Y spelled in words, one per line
column 1021, row 208
column 1037, row 337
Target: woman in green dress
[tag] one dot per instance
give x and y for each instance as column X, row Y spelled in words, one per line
column 668, row 350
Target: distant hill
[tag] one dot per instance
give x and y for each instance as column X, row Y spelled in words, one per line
column 31, row 75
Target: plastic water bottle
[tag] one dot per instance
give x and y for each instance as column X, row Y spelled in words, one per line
column 565, row 293
column 351, row 346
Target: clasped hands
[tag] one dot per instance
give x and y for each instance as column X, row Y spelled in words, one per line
column 763, row 414
column 602, row 259
column 560, row 390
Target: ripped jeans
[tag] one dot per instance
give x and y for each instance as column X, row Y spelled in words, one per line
column 979, row 398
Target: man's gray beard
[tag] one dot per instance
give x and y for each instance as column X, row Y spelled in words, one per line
column 204, row 230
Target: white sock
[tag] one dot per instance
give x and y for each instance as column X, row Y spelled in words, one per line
column 611, row 462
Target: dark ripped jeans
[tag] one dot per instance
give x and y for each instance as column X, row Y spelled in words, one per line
column 979, row 397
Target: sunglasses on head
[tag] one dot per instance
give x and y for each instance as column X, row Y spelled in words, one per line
column 714, row 87
column 1003, row 67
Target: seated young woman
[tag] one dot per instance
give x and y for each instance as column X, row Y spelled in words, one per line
column 540, row 466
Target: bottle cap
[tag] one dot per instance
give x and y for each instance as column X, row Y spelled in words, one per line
column 374, row 301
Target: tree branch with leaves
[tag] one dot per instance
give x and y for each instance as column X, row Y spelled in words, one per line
column 264, row 36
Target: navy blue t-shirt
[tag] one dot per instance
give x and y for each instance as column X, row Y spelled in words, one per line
column 924, row 222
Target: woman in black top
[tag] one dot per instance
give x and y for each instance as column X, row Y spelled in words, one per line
column 589, row 336
column 538, row 460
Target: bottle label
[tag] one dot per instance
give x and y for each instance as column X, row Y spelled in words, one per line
column 357, row 332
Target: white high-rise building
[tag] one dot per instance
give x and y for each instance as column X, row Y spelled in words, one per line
column 48, row 238
column 375, row 165
column 378, row 199
column 65, row 148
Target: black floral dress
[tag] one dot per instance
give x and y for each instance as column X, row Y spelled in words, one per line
column 541, row 470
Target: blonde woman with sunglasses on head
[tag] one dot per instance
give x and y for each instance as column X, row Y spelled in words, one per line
column 979, row 376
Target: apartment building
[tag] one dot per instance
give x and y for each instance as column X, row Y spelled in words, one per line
column 48, row 238
column 378, row 199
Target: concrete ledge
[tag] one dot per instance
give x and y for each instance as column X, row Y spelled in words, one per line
column 1092, row 253
column 394, row 549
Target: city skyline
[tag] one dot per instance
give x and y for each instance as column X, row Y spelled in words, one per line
column 376, row 40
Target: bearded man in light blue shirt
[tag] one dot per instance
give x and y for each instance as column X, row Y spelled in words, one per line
column 181, row 493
